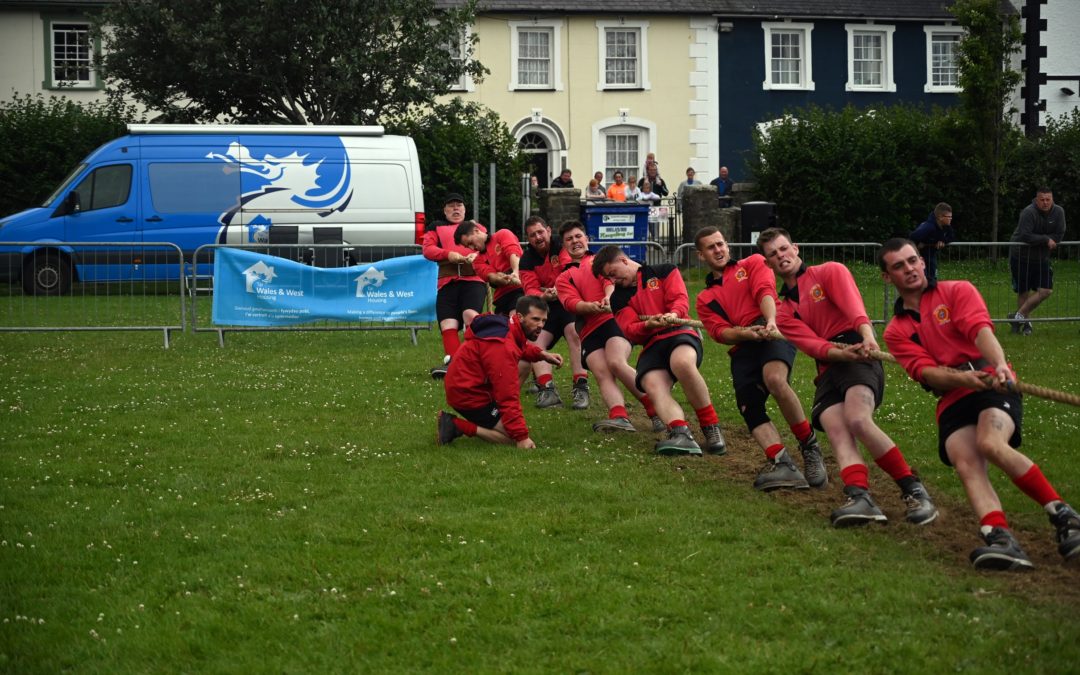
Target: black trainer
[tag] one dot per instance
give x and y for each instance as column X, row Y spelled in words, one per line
column 439, row 372
column 1002, row 552
column 780, row 472
column 859, row 509
column 448, row 431
column 714, row 439
column 678, row 442
column 1067, row 522
column 917, row 502
column 813, row 463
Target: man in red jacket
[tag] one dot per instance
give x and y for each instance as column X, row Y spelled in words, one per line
column 942, row 334
column 821, row 307
column 482, row 381
column 498, row 263
column 461, row 292
column 738, row 307
column 649, row 303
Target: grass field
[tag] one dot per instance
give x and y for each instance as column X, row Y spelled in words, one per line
column 280, row 505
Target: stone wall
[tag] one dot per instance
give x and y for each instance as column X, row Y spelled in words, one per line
column 558, row 205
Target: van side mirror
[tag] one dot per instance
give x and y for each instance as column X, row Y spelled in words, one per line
column 72, row 202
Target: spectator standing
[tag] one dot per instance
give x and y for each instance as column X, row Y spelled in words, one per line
column 563, row 180
column 647, row 194
column 618, row 191
column 724, row 186
column 1041, row 228
column 595, row 191
column 652, row 175
column 599, row 178
column 932, row 236
column 690, row 173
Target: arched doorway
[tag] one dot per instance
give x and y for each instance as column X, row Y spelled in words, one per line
column 536, row 149
column 544, row 144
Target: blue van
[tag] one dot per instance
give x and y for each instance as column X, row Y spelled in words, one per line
column 191, row 185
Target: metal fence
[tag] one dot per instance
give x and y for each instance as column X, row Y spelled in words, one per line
column 200, row 284
column 92, row 286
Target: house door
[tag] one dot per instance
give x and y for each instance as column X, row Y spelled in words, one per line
column 536, row 150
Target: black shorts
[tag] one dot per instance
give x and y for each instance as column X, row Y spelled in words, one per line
column 457, row 296
column 832, row 385
column 750, row 358
column 506, row 303
column 658, row 356
column 965, row 413
column 1030, row 275
column 486, row 417
column 557, row 321
column 597, row 339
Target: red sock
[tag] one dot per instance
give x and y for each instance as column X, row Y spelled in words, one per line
column 802, row 431
column 450, row 341
column 650, row 409
column 706, row 415
column 773, row 450
column 677, row 423
column 994, row 519
column 465, row 426
column 893, row 463
column 1034, row 485
column 617, row 411
column 857, row 475
column 543, row 380
column 580, row 376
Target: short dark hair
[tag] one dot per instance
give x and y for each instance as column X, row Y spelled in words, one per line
column 532, row 220
column 527, row 303
column 607, row 254
column 463, row 230
column 617, row 173
column 769, row 234
column 1043, row 190
column 894, row 244
column 571, row 225
column 706, row 231
column 941, row 209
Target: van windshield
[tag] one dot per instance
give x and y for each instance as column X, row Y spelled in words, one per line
column 63, row 186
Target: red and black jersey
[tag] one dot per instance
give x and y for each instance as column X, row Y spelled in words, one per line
column 659, row 289
column 941, row 333
column 577, row 284
column 484, row 372
column 539, row 271
column 436, row 245
column 824, row 305
column 496, row 258
column 734, row 298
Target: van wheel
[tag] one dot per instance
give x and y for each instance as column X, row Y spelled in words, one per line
column 47, row 273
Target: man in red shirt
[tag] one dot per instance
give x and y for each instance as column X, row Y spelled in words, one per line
column 498, row 263
column 461, row 292
column 604, row 349
column 821, row 307
column 482, row 381
column 649, row 304
column 942, row 334
column 738, row 307
column 540, row 266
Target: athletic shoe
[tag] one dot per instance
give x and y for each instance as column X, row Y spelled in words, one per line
column 780, row 472
column 581, row 395
column 533, row 388
column 1067, row 522
column 547, row 397
column 1014, row 326
column 678, row 442
column 658, row 424
column 1002, row 552
column 813, row 463
column 448, row 431
column 439, row 371
column 859, row 509
column 714, row 439
column 614, row 424
column 920, row 509
column 1026, row 330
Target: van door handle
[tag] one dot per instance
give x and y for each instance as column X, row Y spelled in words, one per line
column 154, row 219
column 124, row 219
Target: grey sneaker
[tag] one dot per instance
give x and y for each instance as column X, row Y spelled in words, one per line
column 920, row 509
column 533, row 387
column 778, row 473
column 1002, row 552
column 581, row 395
column 1067, row 522
column 1014, row 326
column 657, row 424
column 714, row 439
column 448, row 431
column 547, row 397
column 859, row 509
column 678, row 442
column 814, row 463
column 613, row 424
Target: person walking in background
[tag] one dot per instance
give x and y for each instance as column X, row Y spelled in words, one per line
column 942, row 334
column 932, row 235
column 1040, row 230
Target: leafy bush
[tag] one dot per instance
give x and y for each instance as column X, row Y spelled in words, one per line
column 1052, row 160
column 42, row 139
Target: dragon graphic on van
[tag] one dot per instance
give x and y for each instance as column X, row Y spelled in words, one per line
column 270, row 186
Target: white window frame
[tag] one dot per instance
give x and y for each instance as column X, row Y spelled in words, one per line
column 465, row 82
column 646, row 133
column 50, row 23
column 642, row 29
column 932, row 31
column 553, row 25
column 888, row 81
column 806, row 63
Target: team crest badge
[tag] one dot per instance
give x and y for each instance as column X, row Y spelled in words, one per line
column 942, row 314
column 653, row 284
column 817, row 293
column 741, row 274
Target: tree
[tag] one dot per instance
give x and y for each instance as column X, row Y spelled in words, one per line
column 285, row 61
column 988, row 82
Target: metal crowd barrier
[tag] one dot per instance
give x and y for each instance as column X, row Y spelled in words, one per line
column 92, row 286
column 200, row 284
